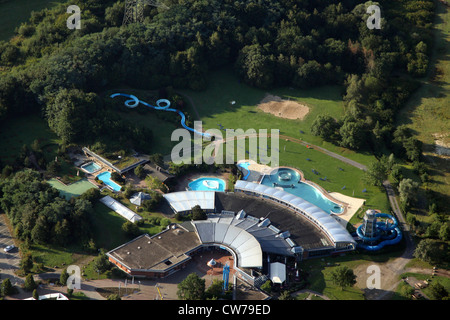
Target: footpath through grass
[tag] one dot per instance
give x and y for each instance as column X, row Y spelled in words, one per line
column 428, row 111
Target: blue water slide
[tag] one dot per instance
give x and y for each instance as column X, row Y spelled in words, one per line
column 133, row 102
column 394, row 237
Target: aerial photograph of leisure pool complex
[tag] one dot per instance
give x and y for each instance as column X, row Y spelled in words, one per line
column 245, row 151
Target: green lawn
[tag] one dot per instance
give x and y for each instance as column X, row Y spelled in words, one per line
column 427, row 112
column 14, row 12
column 23, row 130
column 215, row 108
column 56, row 257
column 108, row 227
column 320, row 269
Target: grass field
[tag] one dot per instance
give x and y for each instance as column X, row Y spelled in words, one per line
column 428, row 111
column 319, row 271
column 215, row 108
column 14, row 12
column 23, row 130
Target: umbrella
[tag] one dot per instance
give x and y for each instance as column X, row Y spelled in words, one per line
column 211, row 263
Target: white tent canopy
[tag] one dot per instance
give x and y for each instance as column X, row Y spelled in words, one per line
column 139, row 197
column 277, row 272
column 212, row 262
column 120, row 209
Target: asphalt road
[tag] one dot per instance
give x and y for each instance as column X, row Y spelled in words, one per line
column 9, row 261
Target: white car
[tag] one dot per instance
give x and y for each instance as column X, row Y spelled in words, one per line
column 9, row 248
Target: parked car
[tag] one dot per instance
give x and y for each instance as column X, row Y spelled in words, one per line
column 9, row 248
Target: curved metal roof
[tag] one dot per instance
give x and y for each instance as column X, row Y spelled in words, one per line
column 186, row 200
column 332, row 227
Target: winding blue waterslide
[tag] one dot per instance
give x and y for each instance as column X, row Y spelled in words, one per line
column 134, row 102
column 393, row 238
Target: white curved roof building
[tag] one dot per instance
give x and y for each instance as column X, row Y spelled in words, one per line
column 337, row 233
column 183, row 201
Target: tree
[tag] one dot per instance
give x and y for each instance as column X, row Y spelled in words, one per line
column 255, row 66
column 444, row 232
column 285, row 295
column 61, row 232
column 267, row 286
column 191, row 288
column 343, row 277
column 29, row 284
column 7, row 288
column 375, row 173
column 396, row 173
column 40, row 232
column 63, row 277
column 407, row 189
column 68, row 116
column 428, row 251
column 352, row 134
column 214, row 291
column 114, row 14
column 325, row 127
column 26, row 263
column 198, row 213
column 101, row 263
column 438, row 291
column 406, row 291
column 131, row 229
column 139, row 171
column 35, row 294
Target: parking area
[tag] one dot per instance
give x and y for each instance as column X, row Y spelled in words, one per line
column 9, row 261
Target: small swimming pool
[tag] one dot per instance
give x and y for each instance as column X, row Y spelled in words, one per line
column 207, row 184
column 290, row 181
column 91, row 167
column 106, row 178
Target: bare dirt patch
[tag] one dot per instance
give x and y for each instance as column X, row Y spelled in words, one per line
column 286, row 109
column 442, row 144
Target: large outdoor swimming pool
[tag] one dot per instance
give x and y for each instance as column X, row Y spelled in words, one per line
column 207, row 184
column 289, row 180
column 106, row 178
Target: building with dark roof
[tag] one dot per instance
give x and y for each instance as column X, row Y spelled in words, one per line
column 254, row 229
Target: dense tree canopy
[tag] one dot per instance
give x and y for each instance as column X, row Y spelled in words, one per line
column 38, row 214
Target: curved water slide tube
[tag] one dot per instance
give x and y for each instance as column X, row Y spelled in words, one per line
column 393, row 238
column 133, row 102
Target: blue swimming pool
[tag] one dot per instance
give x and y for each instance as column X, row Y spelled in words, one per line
column 207, row 184
column 91, row 167
column 106, row 178
column 289, row 180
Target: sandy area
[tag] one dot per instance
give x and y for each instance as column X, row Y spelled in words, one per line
column 286, row 109
column 261, row 168
column 353, row 205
